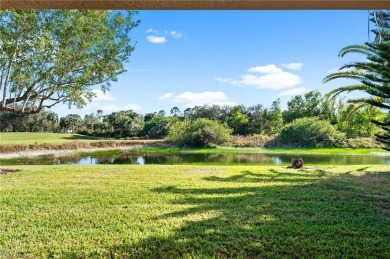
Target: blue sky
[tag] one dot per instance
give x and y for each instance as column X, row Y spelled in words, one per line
column 187, row 58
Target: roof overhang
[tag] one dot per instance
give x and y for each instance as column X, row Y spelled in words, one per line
column 197, row 4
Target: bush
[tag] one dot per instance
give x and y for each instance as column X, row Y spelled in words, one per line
column 199, row 133
column 311, row 132
column 363, row 143
column 256, row 140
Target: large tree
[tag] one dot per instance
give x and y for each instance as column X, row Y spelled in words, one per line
column 373, row 74
column 54, row 56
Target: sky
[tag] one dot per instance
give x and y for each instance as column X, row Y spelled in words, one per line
column 188, row 58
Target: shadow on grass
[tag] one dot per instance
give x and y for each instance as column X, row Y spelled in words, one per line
column 321, row 216
column 80, row 137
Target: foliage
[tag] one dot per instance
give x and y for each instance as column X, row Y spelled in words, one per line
column 311, row 104
column 272, row 119
column 363, row 143
column 55, row 56
column 238, row 120
column 373, row 74
column 70, row 122
column 157, row 127
column 199, row 133
column 44, row 121
column 357, row 123
column 125, row 123
column 311, row 132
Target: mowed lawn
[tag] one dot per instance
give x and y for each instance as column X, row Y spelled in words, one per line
column 40, row 137
column 153, row 211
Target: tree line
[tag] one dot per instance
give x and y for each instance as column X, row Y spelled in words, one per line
column 240, row 119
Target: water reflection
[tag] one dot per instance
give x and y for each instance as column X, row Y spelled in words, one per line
column 220, row 159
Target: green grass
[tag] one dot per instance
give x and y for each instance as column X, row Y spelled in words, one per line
column 126, row 211
column 39, row 137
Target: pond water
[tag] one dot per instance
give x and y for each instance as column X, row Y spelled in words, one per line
column 217, row 159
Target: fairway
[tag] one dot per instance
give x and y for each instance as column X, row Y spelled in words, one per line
column 40, row 137
column 157, row 211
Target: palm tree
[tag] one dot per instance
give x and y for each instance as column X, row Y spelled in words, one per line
column 373, row 74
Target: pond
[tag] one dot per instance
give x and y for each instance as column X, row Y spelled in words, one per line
column 216, row 159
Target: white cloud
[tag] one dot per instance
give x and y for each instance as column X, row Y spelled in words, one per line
column 223, row 80
column 294, row 91
column 293, row 66
column 191, row 99
column 280, row 80
column 268, row 69
column 159, row 37
column 165, row 96
column 271, row 77
column 156, row 39
column 101, row 96
column 115, row 108
column 176, row 34
column 151, row 31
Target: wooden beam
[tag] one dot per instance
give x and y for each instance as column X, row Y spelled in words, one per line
column 197, row 4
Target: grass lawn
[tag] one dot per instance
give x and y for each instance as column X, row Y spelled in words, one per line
column 195, row 211
column 39, row 137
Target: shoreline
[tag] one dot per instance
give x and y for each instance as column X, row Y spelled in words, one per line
column 60, row 152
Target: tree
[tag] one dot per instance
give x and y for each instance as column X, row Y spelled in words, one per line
column 90, row 120
column 70, row 122
column 43, row 121
column 373, row 74
column 99, row 115
column 308, row 105
column 125, row 123
column 272, row 119
column 156, row 127
column 238, row 120
column 175, row 112
column 54, row 56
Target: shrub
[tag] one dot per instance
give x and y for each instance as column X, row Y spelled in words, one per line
column 256, row 140
column 199, row 133
column 311, row 132
column 363, row 143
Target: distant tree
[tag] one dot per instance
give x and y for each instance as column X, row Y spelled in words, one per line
column 212, row 112
column 175, row 112
column 99, row 115
column 149, row 116
column 308, row 105
column 255, row 119
column 162, row 113
column 55, row 56
column 90, row 120
column 125, row 123
column 238, row 121
column 71, row 122
column 157, row 127
column 272, row 119
column 44, row 121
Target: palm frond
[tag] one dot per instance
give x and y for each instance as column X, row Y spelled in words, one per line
column 357, row 48
column 332, row 94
